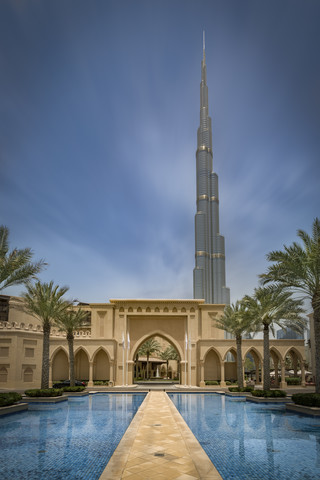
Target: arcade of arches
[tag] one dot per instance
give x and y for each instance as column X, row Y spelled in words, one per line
column 107, row 348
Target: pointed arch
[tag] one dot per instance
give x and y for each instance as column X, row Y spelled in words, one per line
column 56, row 351
column 101, row 364
column 156, row 333
column 60, row 364
column 295, row 351
column 101, row 347
column 212, row 364
column 231, row 350
column 81, row 363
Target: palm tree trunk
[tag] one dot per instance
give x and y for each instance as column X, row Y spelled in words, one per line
column 266, row 358
column 45, row 355
column 239, row 362
column 316, row 325
column 70, row 338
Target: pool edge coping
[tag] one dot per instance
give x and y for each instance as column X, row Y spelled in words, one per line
column 119, row 459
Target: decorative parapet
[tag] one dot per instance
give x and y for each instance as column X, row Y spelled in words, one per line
column 15, row 326
column 20, row 326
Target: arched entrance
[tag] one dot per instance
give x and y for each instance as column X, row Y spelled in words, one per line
column 60, row 366
column 155, row 357
column 101, row 366
column 212, row 366
column 81, row 365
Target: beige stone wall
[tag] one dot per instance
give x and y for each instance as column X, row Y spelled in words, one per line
column 106, row 349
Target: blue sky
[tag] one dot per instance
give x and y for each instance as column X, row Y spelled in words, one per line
column 99, row 112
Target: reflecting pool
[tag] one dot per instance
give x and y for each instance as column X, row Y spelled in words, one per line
column 70, row 440
column 247, row 441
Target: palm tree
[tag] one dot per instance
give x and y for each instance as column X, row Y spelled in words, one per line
column 174, row 355
column 148, row 348
column 236, row 322
column 297, row 268
column 166, row 356
column 170, row 353
column 15, row 266
column 69, row 321
column 44, row 300
column 270, row 306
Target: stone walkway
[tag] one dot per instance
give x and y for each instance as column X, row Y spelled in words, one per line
column 158, row 445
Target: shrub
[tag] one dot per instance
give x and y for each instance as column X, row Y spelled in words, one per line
column 228, row 382
column 9, row 398
column 101, row 382
column 212, row 382
column 238, row 389
column 269, row 393
column 293, row 380
column 45, row 392
column 73, row 389
column 307, row 399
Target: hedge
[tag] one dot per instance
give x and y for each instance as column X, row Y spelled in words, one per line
column 293, row 380
column 238, row 389
column 45, row 392
column 269, row 393
column 212, row 382
column 73, row 389
column 9, row 398
column 307, row 399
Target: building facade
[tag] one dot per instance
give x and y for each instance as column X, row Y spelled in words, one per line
column 106, row 348
column 209, row 274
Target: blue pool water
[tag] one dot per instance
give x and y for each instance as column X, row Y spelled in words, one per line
column 247, row 441
column 70, row 440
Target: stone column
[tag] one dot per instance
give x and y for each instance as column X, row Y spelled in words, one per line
column 222, row 381
column 111, row 371
column 90, row 383
column 130, row 372
column 182, row 371
column 276, row 373
column 202, row 382
column 243, row 374
column 283, row 383
column 295, row 365
column 303, row 374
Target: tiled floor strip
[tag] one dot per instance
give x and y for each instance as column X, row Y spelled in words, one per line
column 159, row 445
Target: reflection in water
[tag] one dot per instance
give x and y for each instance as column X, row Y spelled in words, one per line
column 253, row 441
column 73, row 440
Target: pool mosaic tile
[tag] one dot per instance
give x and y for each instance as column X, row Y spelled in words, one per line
column 248, row 441
column 74, row 440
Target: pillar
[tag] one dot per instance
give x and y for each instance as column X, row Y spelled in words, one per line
column 295, row 365
column 90, row 383
column 276, row 373
column 243, row 373
column 303, row 374
column 130, row 372
column 202, row 382
column 111, row 369
column 183, row 372
column 283, row 383
column 222, row 374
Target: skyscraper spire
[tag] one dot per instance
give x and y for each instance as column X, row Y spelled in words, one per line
column 209, row 278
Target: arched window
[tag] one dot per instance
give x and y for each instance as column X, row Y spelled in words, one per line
column 3, row 374
column 28, row 375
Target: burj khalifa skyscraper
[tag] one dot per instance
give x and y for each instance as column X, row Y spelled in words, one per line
column 209, row 274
